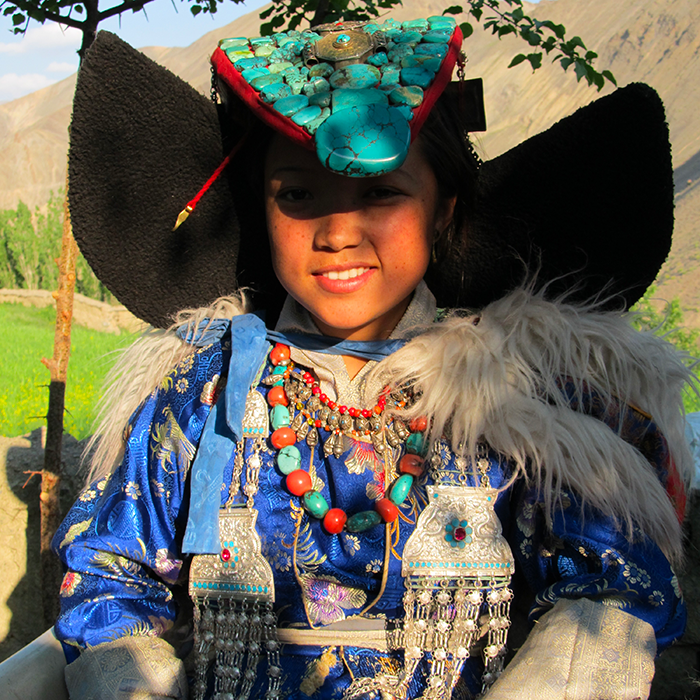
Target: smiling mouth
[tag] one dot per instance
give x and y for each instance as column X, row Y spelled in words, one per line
column 345, row 274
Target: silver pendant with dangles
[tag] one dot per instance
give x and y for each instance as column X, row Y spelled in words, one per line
column 233, row 591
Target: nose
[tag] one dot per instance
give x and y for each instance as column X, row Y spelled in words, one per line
column 338, row 230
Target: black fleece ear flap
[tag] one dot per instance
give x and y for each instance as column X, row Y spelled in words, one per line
column 588, row 203
column 143, row 142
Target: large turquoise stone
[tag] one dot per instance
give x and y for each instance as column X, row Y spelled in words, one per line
column 363, row 521
column 280, row 66
column 442, row 22
column 291, row 105
column 264, row 50
column 242, row 63
column 279, row 416
column 237, row 53
column 304, row 116
column 320, row 70
column 316, row 504
column 289, row 459
column 235, row 41
column 401, row 489
column 320, row 99
column 316, row 85
column 390, row 23
column 355, row 76
column 250, row 74
column 378, row 59
column 262, row 40
column 431, row 63
column 370, row 28
column 438, row 36
column 274, row 92
column 310, row 36
column 421, row 24
column 439, row 50
column 313, row 124
column 411, row 96
column 415, row 443
column 406, row 111
column 409, row 38
column 422, row 77
column 345, row 99
column 263, row 80
column 363, row 141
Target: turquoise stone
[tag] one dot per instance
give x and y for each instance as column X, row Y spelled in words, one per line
column 263, row 80
column 391, row 74
column 235, row 41
column 390, row 23
column 312, row 125
column 244, row 63
column 316, row 504
column 296, row 82
column 289, row 459
column 280, row 369
column 411, row 96
column 441, row 21
column 279, row 416
column 279, row 66
column 400, row 51
column 320, row 70
column 321, row 99
column 422, row 77
column 310, row 36
column 363, row 521
column 415, row 443
column 345, row 99
column 439, row 50
column 281, row 41
column 304, row 116
column 355, row 76
column 264, row 50
column 421, row 24
column 401, row 489
column 406, row 111
column 283, row 54
column 275, row 91
column 378, row 59
column 316, row 85
column 250, row 74
column 262, row 41
column 431, row 63
column 409, row 38
column 393, row 33
column 438, row 36
column 364, row 140
column 370, row 28
column 291, row 105
column 235, row 54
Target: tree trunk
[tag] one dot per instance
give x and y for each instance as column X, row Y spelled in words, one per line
column 58, row 366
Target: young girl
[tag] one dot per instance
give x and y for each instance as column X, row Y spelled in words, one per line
column 353, row 499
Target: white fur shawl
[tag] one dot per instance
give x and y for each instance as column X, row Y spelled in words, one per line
column 497, row 380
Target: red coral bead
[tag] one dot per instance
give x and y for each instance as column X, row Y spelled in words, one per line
column 342, row 410
column 334, row 521
column 332, row 405
column 324, row 398
column 366, row 413
column 225, row 554
column 411, row 464
column 318, row 423
column 279, row 354
column 387, row 510
column 418, row 425
column 353, row 412
column 277, row 395
column 315, row 390
column 299, row 482
column 282, row 437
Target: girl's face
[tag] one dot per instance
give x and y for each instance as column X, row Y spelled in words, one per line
column 351, row 250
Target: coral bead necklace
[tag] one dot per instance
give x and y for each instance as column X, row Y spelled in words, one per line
column 293, row 388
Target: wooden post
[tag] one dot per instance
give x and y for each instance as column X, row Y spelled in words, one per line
column 50, row 505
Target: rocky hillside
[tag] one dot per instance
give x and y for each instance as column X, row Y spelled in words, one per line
column 655, row 41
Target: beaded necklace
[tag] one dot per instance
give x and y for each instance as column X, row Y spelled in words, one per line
column 295, row 388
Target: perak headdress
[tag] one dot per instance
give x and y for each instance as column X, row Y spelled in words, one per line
column 587, row 204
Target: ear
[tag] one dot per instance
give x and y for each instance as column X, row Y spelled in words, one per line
column 445, row 212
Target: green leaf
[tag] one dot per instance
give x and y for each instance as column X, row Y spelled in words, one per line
column 467, row 29
column 266, row 13
column 609, row 76
column 17, row 19
column 549, row 44
column 517, row 60
column 535, row 60
column 531, row 37
column 476, row 13
column 517, row 14
column 590, row 55
column 558, row 29
column 580, row 70
column 508, row 29
column 576, row 41
column 566, row 62
column 195, row 10
column 453, row 10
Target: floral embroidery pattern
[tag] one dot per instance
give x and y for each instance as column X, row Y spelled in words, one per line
column 351, row 544
column 182, row 385
column 69, row 584
column 656, row 599
column 132, row 490
column 326, row 600
column 635, row 574
column 87, row 495
column 363, row 457
column 374, row 567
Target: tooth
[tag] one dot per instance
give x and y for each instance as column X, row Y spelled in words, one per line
column 343, row 275
column 352, row 273
column 332, row 275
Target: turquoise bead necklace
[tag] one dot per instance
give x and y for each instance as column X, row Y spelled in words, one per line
column 293, row 388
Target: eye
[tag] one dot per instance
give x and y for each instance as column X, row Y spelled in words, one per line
column 382, row 192
column 294, row 194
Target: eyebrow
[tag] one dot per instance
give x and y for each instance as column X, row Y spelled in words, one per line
column 289, row 169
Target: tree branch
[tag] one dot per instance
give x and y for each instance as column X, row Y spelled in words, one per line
column 134, row 5
column 28, row 7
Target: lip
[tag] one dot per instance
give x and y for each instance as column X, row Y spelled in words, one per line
column 343, row 286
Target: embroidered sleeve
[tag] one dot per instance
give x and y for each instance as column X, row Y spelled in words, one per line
column 120, row 542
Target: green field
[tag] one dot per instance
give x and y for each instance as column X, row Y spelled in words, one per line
column 27, row 336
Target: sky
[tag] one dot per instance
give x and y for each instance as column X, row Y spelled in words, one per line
column 46, row 53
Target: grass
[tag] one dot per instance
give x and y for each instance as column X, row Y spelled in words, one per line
column 27, row 337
